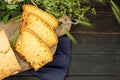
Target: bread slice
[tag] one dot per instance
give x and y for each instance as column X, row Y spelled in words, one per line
column 33, row 49
column 4, row 43
column 8, row 62
column 35, row 23
column 46, row 17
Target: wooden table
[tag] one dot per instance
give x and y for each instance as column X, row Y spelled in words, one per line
column 97, row 55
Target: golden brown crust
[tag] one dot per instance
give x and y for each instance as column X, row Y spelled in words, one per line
column 46, row 17
column 4, row 43
column 8, row 61
column 36, row 36
column 43, row 30
column 5, row 51
column 8, row 65
column 32, row 49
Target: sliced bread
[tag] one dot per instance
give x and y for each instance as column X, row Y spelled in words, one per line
column 38, row 26
column 33, row 49
column 46, row 17
column 8, row 62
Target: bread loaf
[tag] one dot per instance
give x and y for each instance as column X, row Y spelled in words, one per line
column 8, row 62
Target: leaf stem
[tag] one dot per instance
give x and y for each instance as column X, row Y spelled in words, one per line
column 69, row 35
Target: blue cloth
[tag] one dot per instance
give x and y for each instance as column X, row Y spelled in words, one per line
column 57, row 69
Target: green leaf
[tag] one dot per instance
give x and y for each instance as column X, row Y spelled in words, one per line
column 1, row 15
column 71, row 8
column 26, row 1
column 11, row 6
column 101, row 1
column 69, row 35
column 33, row 2
column 19, row 7
column 115, row 7
column 83, row 18
column 5, row 18
column 3, row 6
column 117, row 16
column 116, row 11
column 85, row 23
column 16, row 18
column 93, row 11
column 13, row 41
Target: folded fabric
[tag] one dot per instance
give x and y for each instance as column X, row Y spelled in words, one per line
column 57, row 69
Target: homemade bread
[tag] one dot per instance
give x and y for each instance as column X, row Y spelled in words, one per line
column 4, row 43
column 8, row 62
column 46, row 17
column 33, row 49
column 38, row 26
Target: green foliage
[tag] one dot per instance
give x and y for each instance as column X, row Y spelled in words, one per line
column 115, row 10
column 14, row 39
column 3, row 6
column 8, row 9
column 5, row 17
column 75, row 9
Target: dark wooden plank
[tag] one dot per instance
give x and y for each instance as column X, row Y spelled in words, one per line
column 96, row 44
column 103, row 22
column 23, row 78
column 69, row 78
column 94, row 65
column 95, row 55
column 92, row 78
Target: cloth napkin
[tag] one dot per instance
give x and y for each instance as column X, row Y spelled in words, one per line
column 57, row 69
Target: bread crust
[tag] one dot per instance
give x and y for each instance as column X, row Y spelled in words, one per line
column 34, row 22
column 46, row 17
column 8, row 62
column 4, row 43
column 31, row 48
